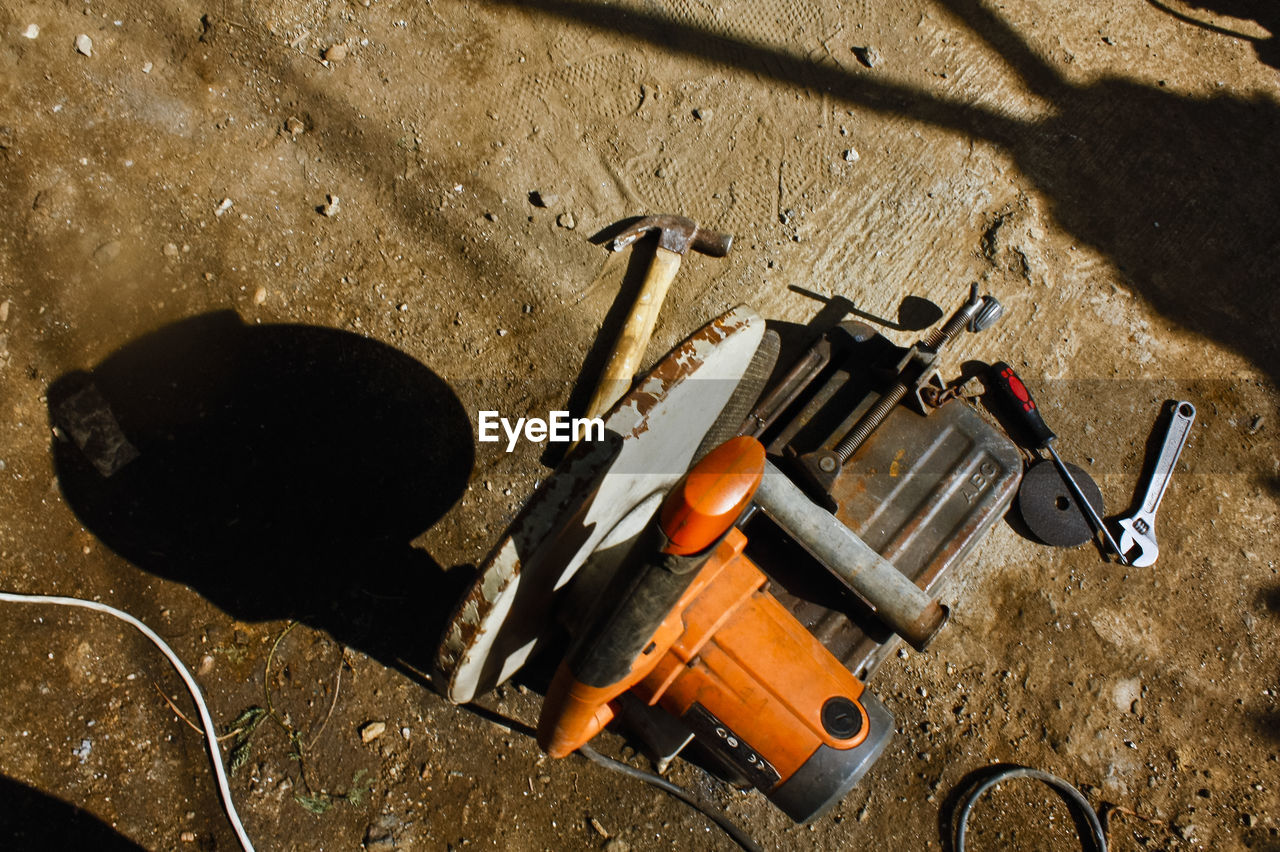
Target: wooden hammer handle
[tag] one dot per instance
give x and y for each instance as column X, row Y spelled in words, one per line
column 629, row 351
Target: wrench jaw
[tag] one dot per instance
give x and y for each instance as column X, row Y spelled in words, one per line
column 1138, row 534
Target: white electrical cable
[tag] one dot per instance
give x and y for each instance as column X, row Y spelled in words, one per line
column 210, row 733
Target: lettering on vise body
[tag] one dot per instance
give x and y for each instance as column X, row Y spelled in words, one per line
column 558, row 428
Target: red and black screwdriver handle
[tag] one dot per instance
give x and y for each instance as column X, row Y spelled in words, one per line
column 1012, row 396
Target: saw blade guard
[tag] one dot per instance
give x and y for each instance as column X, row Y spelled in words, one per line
column 599, row 493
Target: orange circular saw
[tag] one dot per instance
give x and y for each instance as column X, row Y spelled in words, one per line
column 694, row 591
column 687, row 624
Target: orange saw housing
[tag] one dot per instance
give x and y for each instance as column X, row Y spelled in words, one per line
column 723, row 655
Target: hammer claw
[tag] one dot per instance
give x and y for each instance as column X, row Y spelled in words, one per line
column 675, row 233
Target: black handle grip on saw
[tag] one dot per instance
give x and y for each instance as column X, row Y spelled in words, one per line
column 635, row 605
column 697, row 513
column 1012, row 396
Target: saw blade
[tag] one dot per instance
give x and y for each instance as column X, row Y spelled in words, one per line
column 1050, row 510
column 601, row 495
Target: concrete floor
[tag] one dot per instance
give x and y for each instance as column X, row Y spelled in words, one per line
column 294, row 281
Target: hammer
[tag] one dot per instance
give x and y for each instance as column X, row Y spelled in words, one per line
column 676, row 235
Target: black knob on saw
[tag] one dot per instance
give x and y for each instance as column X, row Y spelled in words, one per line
column 1012, row 395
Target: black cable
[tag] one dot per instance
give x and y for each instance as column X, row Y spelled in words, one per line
column 709, row 811
column 1080, row 808
column 737, row 834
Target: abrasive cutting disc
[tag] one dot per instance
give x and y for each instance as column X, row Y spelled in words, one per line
column 603, row 494
column 1049, row 508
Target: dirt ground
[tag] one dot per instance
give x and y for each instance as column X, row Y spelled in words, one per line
column 293, row 281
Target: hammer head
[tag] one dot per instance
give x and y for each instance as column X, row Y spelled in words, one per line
column 675, row 233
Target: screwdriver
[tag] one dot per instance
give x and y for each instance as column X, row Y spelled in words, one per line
column 1014, row 394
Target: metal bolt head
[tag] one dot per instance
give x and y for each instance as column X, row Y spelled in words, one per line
column 827, row 464
column 988, row 315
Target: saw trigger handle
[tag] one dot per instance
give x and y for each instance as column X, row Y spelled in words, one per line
column 617, row 649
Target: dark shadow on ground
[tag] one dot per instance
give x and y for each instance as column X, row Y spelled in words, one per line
column 31, row 821
column 1178, row 190
column 281, row 471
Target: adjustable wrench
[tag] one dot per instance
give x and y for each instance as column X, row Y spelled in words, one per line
column 1140, row 527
